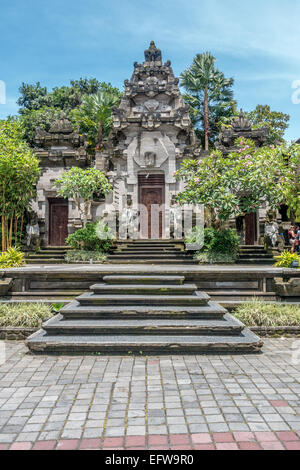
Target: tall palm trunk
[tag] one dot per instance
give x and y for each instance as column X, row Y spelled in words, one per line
column 100, row 134
column 206, row 119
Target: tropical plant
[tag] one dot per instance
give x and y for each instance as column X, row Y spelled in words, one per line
column 19, row 172
column 275, row 121
column 215, row 258
column 82, row 186
column 26, row 315
column 209, row 94
column 260, row 313
column 87, row 239
column 286, row 258
column 12, row 258
column 94, row 116
column 57, row 307
column 236, row 184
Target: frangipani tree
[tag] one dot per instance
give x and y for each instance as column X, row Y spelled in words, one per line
column 238, row 183
column 82, row 185
column 19, row 172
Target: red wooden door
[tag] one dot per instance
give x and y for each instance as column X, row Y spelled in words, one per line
column 251, row 228
column 151, row 199
column 58, row 223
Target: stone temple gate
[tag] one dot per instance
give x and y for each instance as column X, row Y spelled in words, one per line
column 152, row 133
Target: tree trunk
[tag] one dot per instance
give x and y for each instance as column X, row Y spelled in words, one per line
column 206, row 119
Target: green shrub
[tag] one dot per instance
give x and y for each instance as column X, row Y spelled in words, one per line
column 286, row 258
column 93, row 237
column 79, row 256
column 259, row 313
column 216, row 258
column 27, row 315
column 12, row 258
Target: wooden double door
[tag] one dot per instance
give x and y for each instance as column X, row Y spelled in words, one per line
column 151, row 200
column 58, row 221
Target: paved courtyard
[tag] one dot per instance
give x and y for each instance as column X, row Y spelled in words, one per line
column 167, row 402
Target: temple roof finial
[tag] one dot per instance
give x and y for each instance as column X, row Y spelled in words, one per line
column 153, row 54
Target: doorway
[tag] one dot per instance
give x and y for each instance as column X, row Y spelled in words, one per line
column 58, row 221
column 151, row 200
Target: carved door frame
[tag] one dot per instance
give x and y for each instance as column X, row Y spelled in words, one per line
column 155, row 183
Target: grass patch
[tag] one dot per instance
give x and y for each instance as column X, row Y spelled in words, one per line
column 24, row 315
column 79, row 256
column 259, row 313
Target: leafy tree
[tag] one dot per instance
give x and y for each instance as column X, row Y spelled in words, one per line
column 94, row 116
column 81, row 185
column 19, row 172
column 277, row 123
column 209, row 95
column 236, row 184
column 291, row 183
column 42, row 117
column 32, row 97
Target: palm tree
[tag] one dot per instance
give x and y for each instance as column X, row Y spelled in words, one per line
column 95, row 115
column 209, row 90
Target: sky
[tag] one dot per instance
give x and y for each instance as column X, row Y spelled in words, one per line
column 256, row 43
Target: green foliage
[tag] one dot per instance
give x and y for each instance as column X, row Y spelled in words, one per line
column 19, row 172
column 291, row 182
column 286, row 258
column 82, row 185
column 57, row 307
column 259, row 313
column 240, row 182
column 224, row 242
column 94, row 116
column 216, row 258
column 87, row 239
column 275, row 121
column 27, row 315
column 205, row 83
column 196, row 236
column 42, row 117
column 12, row 258
column 81, row 256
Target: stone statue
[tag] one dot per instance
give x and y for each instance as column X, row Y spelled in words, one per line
column 153, row 54
column 272, row 237
column 33, row 233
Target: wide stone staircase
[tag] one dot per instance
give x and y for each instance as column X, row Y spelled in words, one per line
column 47, row 255
column 143, row 314
column 150, row 252
column 254, row 255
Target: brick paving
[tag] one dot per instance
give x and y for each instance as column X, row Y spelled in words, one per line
column 247, row 402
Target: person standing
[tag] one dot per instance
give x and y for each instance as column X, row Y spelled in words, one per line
column 292, row 238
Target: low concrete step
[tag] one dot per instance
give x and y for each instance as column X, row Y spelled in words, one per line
column 44, row 261
column 150, row 252
column 199, row 298
column 153, row 262
column 140, row 279
column 211, row 311
column 266, row 261
column 148, row 344
column 138, row 289
column 120, row 255
column 45, row 256
column 226, row 326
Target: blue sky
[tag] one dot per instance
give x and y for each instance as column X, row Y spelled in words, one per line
column 54, row 41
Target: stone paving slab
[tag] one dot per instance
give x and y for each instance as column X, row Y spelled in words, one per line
column 246, row 402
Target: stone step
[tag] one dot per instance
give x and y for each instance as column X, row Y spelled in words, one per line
column 255, row 255
column 148, row 256
column 147, row 251
column 255, row 261
column 44, row 261
column 154, row 262
column 247, row 341
column 138, row 289
column 211, row 311
column 46, row 256
column 143, row 279
column 228, row 325
column 199, row 298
